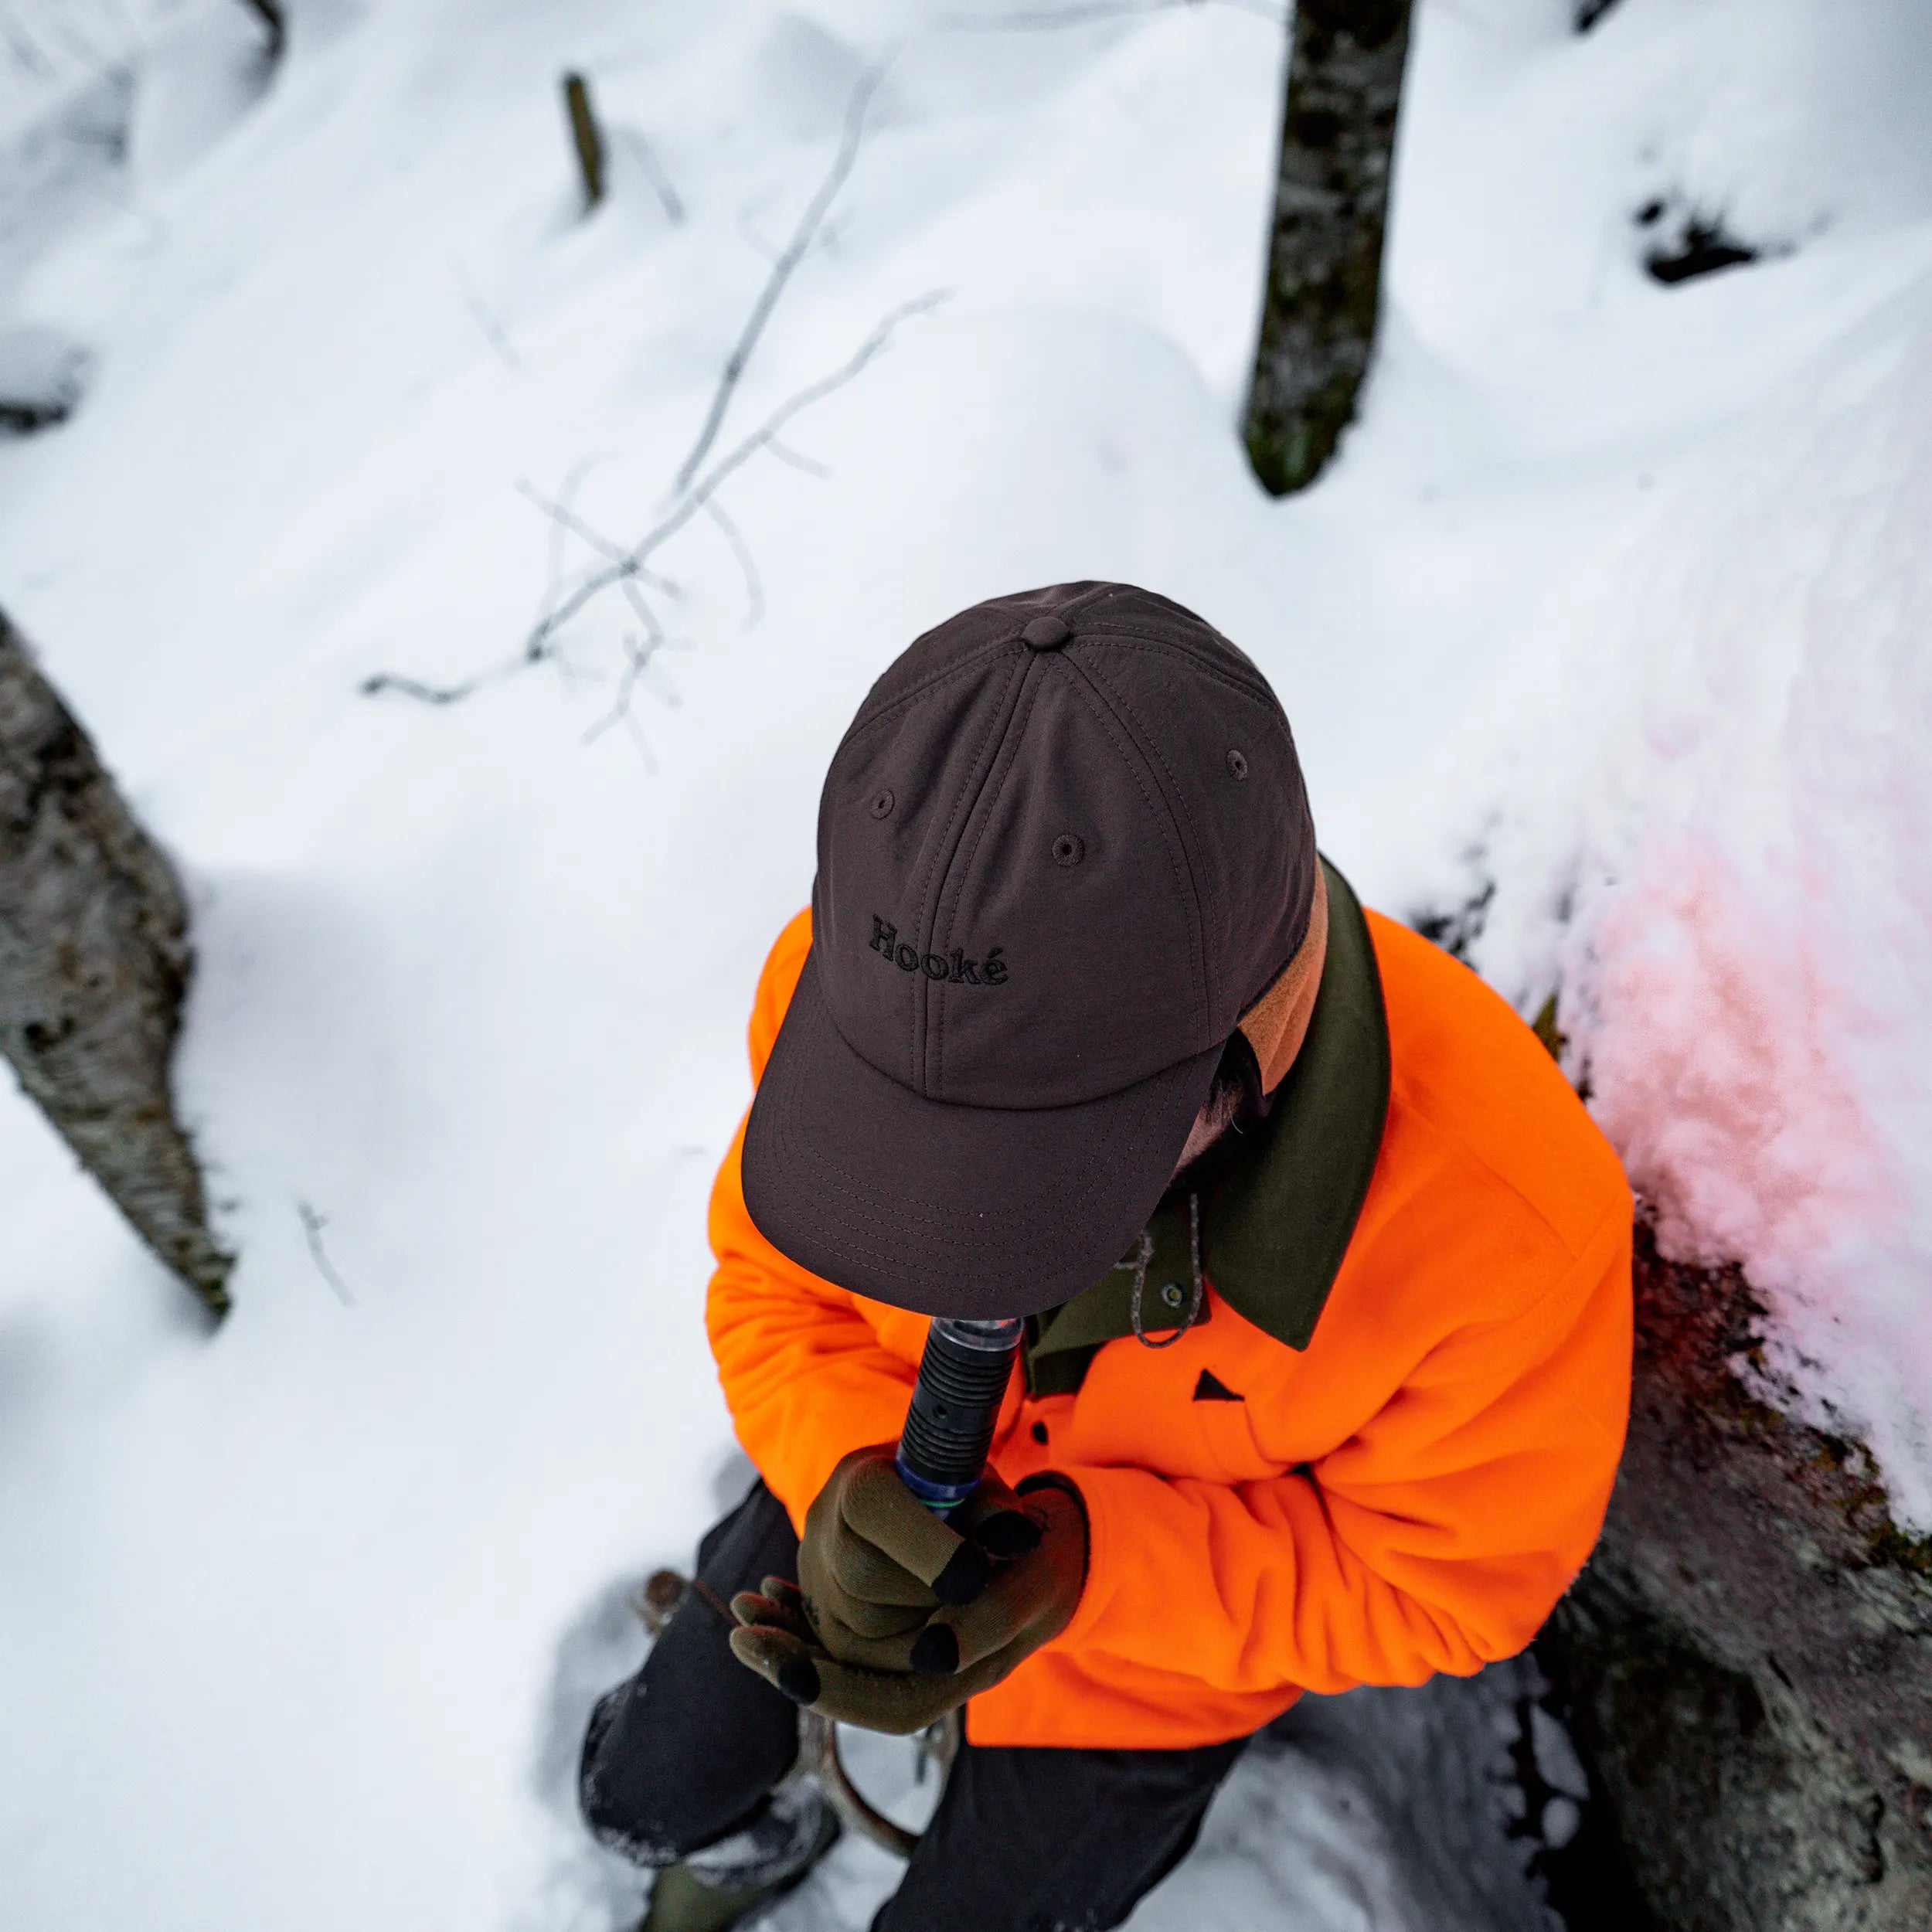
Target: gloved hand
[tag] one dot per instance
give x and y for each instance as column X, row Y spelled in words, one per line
column 875, row 1562
column 902, row 1619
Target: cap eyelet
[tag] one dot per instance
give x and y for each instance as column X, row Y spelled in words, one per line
column 1068, row 849
column 1237, row 764
column 881, row 805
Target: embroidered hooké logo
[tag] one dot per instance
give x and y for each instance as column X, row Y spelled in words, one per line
column 954, row 967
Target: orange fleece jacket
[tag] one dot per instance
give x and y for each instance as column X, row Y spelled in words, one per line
column 1411, row 1494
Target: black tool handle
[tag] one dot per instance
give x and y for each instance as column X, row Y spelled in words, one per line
column 949, row 1427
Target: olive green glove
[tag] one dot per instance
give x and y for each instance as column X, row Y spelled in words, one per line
column 875, row 1562
column 917, row 1659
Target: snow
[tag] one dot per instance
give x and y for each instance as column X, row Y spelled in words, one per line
column 1610, row 604
column 1711, row 837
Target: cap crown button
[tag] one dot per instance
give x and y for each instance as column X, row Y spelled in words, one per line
column 1047, row 634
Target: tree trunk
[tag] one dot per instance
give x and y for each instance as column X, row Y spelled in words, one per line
column 94, row 964
column 1324, row 288
column 1747, row 1660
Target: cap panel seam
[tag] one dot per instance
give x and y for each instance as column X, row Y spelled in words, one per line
column 1099, row 594
column 961, row 865
column 984, row 760
column 1269, row 705
column 1178, row 805
column 972, row 662
column 1260, row 693
column 1136, row 761
column 1243, row 671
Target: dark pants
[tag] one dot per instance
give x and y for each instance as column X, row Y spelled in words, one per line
column 684, row 1756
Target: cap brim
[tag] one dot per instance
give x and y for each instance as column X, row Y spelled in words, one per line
column 965, row 1211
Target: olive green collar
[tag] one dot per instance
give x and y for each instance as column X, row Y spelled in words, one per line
column 1276, row 1225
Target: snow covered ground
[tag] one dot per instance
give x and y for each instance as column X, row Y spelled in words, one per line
column 1615, row 607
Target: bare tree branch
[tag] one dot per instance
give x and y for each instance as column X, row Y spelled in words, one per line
column 727, row 466
column 628, row 570
column 816, row 210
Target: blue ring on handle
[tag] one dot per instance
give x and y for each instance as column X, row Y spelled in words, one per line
column 941, row 1496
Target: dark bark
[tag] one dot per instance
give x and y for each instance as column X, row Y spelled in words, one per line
column 1747, row 1660
column 1320, row 306
column 94, row 965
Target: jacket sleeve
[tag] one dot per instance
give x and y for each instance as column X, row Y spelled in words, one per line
column 804, row 1375
column 1438, row 1538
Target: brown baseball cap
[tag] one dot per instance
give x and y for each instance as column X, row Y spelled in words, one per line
column 1063, row 848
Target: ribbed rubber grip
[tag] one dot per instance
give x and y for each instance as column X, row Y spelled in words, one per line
column 949, row 1427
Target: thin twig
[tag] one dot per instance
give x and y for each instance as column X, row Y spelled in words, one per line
column 645, row 615
column 637, row 662
column 627, row 569
column 553, row 577
column 816, row 210
column 654, row 172
column 754, row 585
column 746, row 223
column 380, row 683
column 494, row 332
column 727, row 466
column 641, row 742
column 565, row 522
column 787, row 454
column 312, row 1226
column 566, row 519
